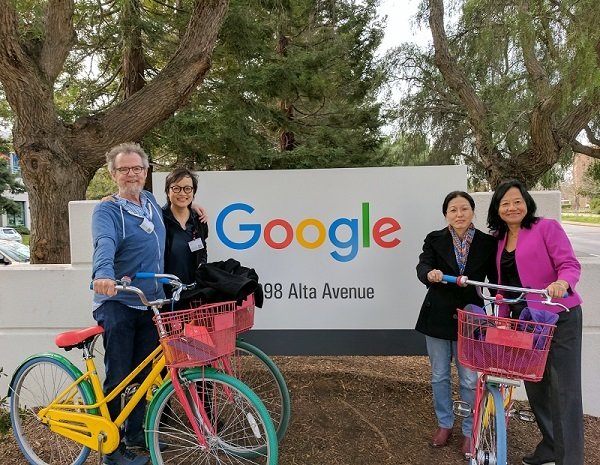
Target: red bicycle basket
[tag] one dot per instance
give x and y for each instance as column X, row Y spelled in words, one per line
column 243, row 312
column 197, row 336
column 504, row 347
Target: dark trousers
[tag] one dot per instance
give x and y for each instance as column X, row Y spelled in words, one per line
column 556, row 399
column 129, row 337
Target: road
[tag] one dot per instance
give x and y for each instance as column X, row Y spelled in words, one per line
column 585, row 239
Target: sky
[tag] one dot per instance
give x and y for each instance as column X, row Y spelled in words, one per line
column 399, row 29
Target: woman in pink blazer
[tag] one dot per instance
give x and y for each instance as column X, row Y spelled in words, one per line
column 536, row 252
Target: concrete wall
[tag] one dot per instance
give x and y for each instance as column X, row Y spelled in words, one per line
column 37, row 302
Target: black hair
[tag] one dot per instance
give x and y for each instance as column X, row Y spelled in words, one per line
column 452, row 195
column 176, row 175
column 497, row 224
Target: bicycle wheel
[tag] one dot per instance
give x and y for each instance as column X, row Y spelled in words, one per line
column 257, row 371
column 490, row 437
column 241, row 431
column 35, row 384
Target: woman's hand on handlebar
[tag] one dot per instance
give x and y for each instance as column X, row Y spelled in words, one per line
column 435, row 276
column 105, row 286
column 558, row 289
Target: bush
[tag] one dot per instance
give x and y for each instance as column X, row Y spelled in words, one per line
column 22, row 229
column 595, row 205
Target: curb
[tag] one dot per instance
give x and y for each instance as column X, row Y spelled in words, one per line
column 580, row 223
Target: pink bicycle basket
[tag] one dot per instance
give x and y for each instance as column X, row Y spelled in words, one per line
column 243, row 312
column 197, row 337
column 515, row 349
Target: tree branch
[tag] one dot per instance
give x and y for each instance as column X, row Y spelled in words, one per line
column 457, row 81
column 591, row 135
column 12, row 53
column 170, row 89
column 576, row 121
column 578, row 147
column 26, row 93
column 60, row 36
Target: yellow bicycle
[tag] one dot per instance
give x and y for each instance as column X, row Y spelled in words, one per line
column 196, row 415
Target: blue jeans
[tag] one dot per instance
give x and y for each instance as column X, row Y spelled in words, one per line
column 441, row 352
column 129, row 337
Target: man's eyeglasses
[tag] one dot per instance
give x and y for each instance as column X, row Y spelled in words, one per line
column 178, row 189
column 135, row 169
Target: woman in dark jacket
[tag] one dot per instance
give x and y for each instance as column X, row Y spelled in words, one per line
column 458, row 249
column 185, row 246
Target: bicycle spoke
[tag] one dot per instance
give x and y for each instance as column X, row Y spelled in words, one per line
column 236, row 434
column 37, row 383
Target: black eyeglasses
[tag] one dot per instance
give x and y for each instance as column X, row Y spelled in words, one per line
column 135, row 169
column 178, row 189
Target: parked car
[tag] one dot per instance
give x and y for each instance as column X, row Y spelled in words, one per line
column 10, row 234
column 13, row 252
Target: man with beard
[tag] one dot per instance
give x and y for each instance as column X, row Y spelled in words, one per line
column 128, row 236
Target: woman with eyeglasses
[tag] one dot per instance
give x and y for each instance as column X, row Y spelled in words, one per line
column 185, row 246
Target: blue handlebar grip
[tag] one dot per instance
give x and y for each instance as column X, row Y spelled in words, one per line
column 144, row 275
column 164, row 280
column 566, row 294
column 449, row 279
column 91, row 285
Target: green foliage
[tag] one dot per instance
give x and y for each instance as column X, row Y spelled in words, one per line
column 8, row 182
column 23, row 230
column 489, row 40
column 407, row 150
column 303, row 68
column 101, row 185
column 595, row 205
column 4, row 415
column 593, row 172
column 326, row 74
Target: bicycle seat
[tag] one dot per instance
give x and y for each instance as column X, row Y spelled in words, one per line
column 77, row 338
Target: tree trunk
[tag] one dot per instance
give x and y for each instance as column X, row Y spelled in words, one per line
column 287, row 139
column 58, row 159
column 51, row 184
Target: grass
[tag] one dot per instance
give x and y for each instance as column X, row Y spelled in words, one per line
column 581, row 218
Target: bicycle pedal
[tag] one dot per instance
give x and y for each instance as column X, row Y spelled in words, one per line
column 525, row 415
column 461, row 408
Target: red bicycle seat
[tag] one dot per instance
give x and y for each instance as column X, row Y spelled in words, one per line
column 70, row 339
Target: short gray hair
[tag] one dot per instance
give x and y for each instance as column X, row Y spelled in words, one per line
column 126, row 147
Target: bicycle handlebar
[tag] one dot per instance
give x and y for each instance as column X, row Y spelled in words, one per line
column 464, row 281
column 124, row 284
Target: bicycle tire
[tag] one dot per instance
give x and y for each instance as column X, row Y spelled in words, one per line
column 243, row 431
column 490, row 429
column 35, row 384
column 257, row 371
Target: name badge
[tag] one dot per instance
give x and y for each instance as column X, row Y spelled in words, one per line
column 196, row 244
column 147, row 225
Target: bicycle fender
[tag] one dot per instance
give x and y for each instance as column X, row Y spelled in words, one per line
column 86, row 387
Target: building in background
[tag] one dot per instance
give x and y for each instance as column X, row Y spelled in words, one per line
column 22, row 218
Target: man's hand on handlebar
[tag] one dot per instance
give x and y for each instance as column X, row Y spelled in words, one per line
column 105, row 286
